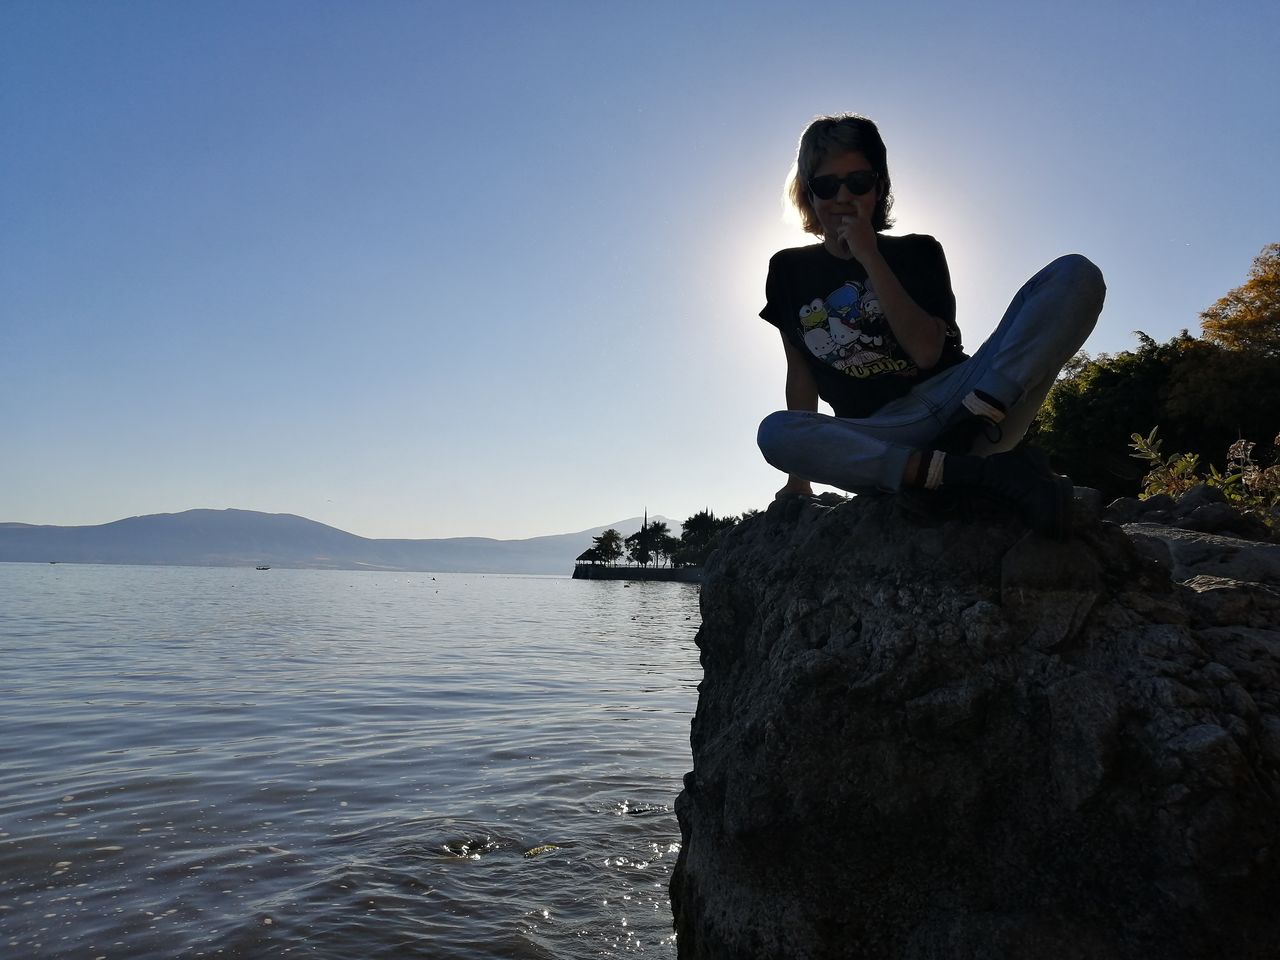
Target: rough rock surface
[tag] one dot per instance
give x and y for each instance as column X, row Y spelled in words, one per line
column 1186, row 553
column 1203, row 508
column 944, row 739
column 1198, row 534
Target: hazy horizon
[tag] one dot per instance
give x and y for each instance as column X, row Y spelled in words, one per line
column 622, row 521
column 426, row 270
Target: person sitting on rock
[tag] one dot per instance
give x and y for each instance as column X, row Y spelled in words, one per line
column 919, row 412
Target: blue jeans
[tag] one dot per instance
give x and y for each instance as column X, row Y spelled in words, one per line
column 1048, row 320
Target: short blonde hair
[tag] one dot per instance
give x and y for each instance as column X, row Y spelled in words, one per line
column 831, row 136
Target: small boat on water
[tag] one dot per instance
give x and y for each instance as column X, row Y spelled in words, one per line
column 262, row 568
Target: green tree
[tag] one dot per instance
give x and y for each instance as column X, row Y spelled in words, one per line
column 640, row 546
column 647, row 544
column 608, row 546
column 701, row 534
column 1248, row 317
column 1202, row 396
column 638, row 549
column 668, row 547
column 1215, row 396
column 658, row 533
column 1094, row 408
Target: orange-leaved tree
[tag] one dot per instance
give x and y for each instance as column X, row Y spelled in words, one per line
column 1248, row 317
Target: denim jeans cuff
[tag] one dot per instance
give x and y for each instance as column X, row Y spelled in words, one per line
column 993, row 384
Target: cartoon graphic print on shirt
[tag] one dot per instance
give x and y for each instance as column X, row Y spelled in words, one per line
column 848, row 331
column 813, row 314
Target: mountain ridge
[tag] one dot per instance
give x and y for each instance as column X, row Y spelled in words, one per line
column 238, row 537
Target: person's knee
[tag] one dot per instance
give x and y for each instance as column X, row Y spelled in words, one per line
column 769, row 437
column 1080, row 290
column 1084, row 274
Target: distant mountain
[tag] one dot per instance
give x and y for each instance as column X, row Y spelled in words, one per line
column 238, row 538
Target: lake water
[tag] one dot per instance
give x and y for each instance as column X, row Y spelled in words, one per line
column 201, row 762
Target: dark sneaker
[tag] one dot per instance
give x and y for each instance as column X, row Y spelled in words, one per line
column 961, row 435
column 1021, row 478
column 928, row 506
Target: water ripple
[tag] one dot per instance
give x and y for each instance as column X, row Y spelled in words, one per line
column 328, row 764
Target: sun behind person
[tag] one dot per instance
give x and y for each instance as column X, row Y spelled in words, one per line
column 868, row 324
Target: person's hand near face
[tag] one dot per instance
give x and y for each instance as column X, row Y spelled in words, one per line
column 846, row 213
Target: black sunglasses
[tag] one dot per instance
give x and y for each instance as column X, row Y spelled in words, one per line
column 858, row 183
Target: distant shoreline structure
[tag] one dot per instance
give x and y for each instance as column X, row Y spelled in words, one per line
column 586, row 570
column 654, row 553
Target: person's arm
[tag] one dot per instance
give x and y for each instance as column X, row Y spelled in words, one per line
column 802, row 394
column 920, row 334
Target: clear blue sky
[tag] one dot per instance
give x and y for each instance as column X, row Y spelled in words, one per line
column 434, row 269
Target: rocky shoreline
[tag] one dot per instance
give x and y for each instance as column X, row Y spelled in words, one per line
column 928, row 737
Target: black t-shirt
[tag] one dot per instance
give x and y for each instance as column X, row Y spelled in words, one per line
column 828, row 309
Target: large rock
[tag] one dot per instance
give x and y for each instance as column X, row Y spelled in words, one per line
column 1187, row 553
column 1202, row 508
column 920, row 739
